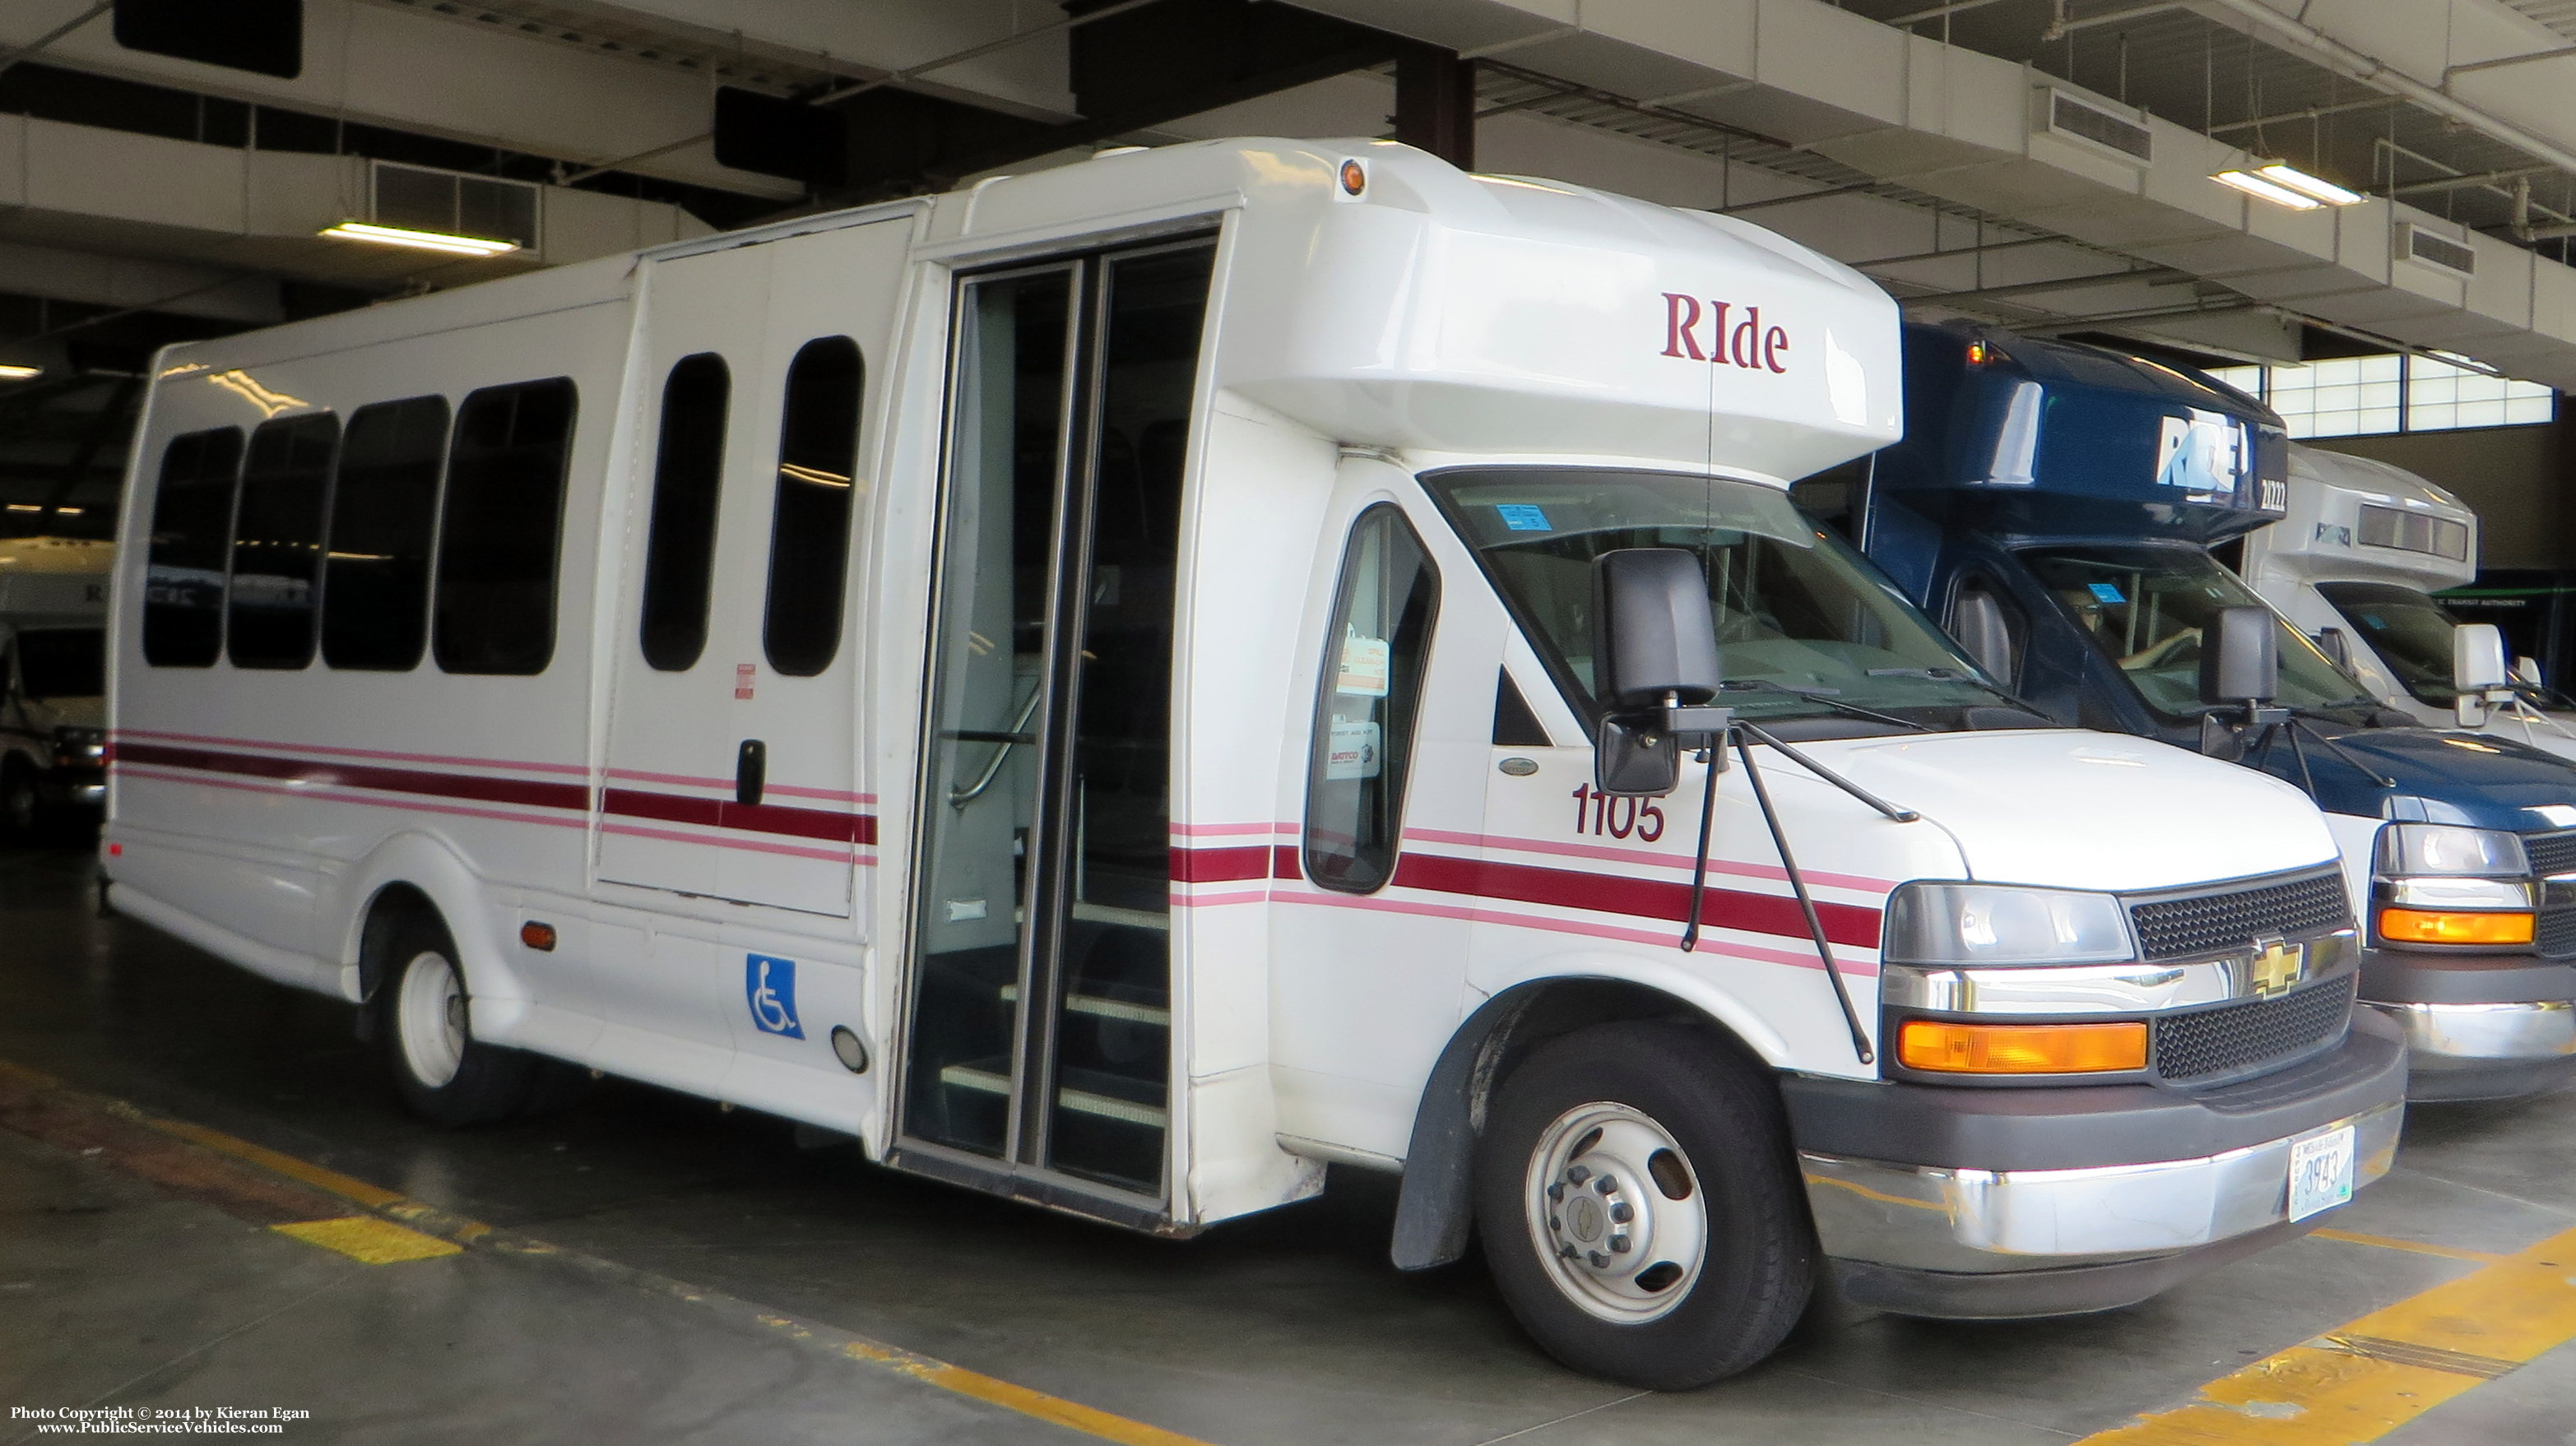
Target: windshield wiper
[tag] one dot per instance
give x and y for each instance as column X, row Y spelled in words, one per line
column 1826, row 696
column 1947, row 675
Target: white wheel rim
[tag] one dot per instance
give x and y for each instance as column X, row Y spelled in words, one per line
column 429, row 1014
column 1604, row 1216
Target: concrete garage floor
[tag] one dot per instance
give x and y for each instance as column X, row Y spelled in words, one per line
column 142, row 1273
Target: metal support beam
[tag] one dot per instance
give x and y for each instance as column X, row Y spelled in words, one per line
column 2561, row 53
column 1435, row 103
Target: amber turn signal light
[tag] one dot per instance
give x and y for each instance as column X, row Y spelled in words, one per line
column 540, row 937
column 1929, row 1044
column 2431, row 926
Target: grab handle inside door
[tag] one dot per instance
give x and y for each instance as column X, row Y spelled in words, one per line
column 750, row 771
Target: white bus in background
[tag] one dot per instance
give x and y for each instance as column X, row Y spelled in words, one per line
column 2355, row 563
column 53, row 668
column 1089, row 686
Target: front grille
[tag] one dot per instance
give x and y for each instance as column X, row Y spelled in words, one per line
column 2236, row 1039
column 2229, row 920
column 2551, row 853
column 2555, row 933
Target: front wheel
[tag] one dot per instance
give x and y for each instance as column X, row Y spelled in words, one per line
column 443, row 1073
column 1639, row 1208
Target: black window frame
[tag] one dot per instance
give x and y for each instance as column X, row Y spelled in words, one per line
column 265, row 474
column 1396, row 763
column 201, row 653
column 672, row 608
column 486, row 642
column 793, row 596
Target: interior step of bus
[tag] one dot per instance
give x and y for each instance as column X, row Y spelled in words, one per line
column 1085, row 1091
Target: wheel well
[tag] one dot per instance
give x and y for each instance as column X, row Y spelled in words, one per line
column 1550, row 1008
column 1434, row 1208
column 393, row 907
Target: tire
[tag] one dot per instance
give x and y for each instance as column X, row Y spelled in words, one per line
column 444, row 1074
column 22, row 807
column 1697, row 1257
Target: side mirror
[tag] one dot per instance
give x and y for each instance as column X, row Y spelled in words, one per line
column 2477, row 658
column 2336, row 644
column 2239, row 661
column 2526, row 672
column 1654, row 646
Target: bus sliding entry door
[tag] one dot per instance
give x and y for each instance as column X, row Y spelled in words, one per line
column 1038, row 1038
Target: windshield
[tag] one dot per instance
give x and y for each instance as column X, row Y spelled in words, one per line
column 2146, row 607
column 2409, row 631
column 1796, row 609
column 63, row 662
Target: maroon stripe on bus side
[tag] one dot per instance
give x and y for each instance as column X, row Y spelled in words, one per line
column 1219, row 866
column 770, row 818
column 481, row 787
column 1640, row 898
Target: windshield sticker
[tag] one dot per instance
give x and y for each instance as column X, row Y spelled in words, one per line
column 1523, row 517
column 1364, row 667
column 1351, row 751
column 2106, row 592
column 2376, row 622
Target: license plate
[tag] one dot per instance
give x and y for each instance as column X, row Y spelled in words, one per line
column 2320, row 1172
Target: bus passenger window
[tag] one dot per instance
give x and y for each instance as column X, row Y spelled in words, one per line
column 1374, row 651
column 277, row 532
column 183, row 580
column 384, row 505
column 680, row 549
column 809, row 527
column 498, row 531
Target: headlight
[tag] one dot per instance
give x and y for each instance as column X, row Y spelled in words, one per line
column 2443, row 848
column 1988, row 924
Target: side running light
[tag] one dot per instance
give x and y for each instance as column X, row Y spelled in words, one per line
column 1929, row 1044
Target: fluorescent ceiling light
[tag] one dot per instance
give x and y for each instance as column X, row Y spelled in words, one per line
column 420, row 240
column 2312, row 187
column 12, row 372
column 2265, row 190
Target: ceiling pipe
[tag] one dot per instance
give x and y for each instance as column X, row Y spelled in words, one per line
column 2369, row 69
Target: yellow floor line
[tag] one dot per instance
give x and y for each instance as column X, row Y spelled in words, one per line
column 370, row 1239
column 2370, row 1376
column 2418, row 1247
column 378, row 1240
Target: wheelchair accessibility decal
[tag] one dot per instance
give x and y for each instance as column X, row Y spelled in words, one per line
column 770, row 984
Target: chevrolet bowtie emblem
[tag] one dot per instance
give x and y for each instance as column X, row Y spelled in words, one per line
column 2277, row 966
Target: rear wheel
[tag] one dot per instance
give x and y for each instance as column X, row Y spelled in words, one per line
column 443, row 1073
column 22, row 807
column 1638, row 1206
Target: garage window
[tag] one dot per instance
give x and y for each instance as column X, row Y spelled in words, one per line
column 680, row 550
column 809, row 534
column 498, row 533
column 277, row 542
column 183, row 580
column 384, row 510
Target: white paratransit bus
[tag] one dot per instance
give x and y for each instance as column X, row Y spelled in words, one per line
column 2355, row 563
column 53, row 679
column 1088, row 684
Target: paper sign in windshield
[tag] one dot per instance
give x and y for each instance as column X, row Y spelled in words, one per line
column 2106, row 592
column 1364, row 667
column 1523, row 516
column 2203, row 453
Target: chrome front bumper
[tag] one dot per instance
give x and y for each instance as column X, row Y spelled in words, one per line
column 1986, row 1222
column 2485, row 1051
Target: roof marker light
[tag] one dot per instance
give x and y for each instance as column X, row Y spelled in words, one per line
column 420, row 240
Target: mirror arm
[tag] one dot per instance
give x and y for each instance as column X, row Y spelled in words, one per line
column 1798, row 882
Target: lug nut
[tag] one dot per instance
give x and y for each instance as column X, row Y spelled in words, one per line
column 1619, row 1244
column 1607, row 1184
column 1621, row 1212
column 1555, row 1224
column 1600, row 1261
column 1556, row 1191
column 1579, row 1174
